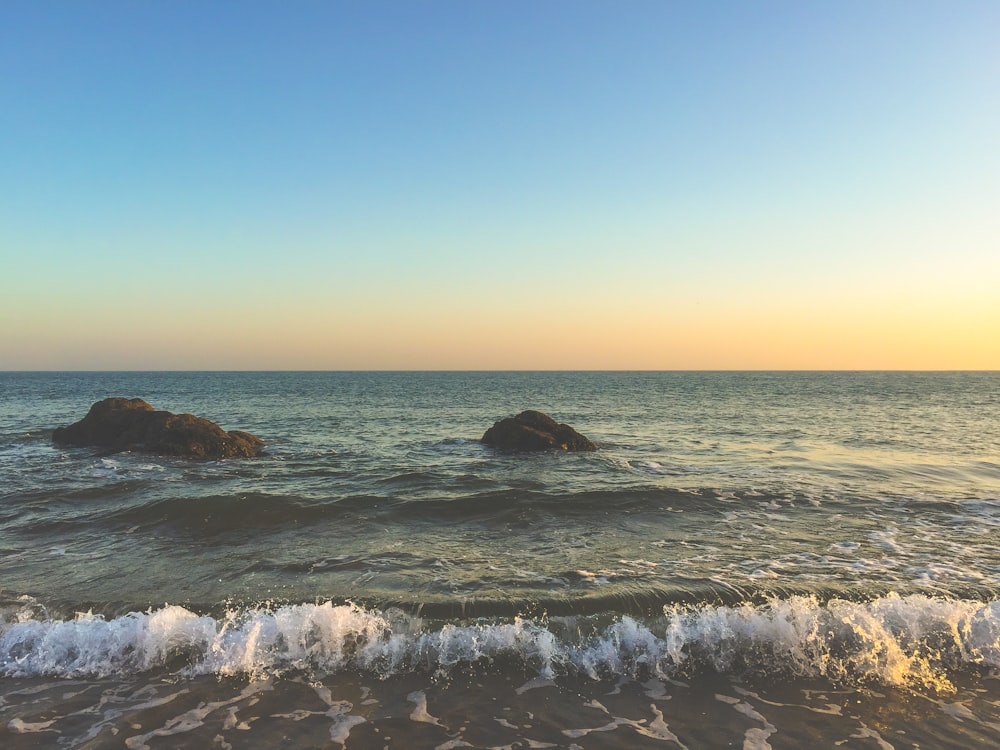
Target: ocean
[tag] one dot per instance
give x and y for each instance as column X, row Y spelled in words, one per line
column 756, row 560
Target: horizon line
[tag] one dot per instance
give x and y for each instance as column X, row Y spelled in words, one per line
column 508, row 370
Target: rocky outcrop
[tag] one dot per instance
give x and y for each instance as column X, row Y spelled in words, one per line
column 535, row 431
column 130, row 424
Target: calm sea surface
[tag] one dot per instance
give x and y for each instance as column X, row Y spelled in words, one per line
column 751, row 560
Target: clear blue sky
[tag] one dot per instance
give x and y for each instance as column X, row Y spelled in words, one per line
column 499, row 185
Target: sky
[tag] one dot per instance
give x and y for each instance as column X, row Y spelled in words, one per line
column 499, row 185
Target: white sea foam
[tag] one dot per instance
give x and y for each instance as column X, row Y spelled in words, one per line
column 17, row 726
column 911, row 641
column 191, row 719
column 656, row 728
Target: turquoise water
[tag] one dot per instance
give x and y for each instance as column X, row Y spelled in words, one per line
column 840, row 527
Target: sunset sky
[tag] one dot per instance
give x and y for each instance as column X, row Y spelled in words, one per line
column 500, row 185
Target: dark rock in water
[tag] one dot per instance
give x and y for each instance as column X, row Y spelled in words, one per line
column 123, row 424
column 535, row 431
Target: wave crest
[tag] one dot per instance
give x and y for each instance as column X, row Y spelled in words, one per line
column 911, row 642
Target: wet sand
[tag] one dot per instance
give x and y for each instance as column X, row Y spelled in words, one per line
column 487, row 711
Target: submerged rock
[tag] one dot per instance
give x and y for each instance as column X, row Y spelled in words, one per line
column 130, row 424
column 535, row 431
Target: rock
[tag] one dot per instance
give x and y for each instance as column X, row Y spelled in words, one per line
column 130, row 424
column 535, row 431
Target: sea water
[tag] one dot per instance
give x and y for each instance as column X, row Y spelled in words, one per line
column 751, row 560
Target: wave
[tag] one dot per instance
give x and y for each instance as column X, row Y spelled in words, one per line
column 217, row 513
column 209, row 513
column 911, row 642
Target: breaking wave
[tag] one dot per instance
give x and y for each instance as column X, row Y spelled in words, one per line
column 911, row 642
